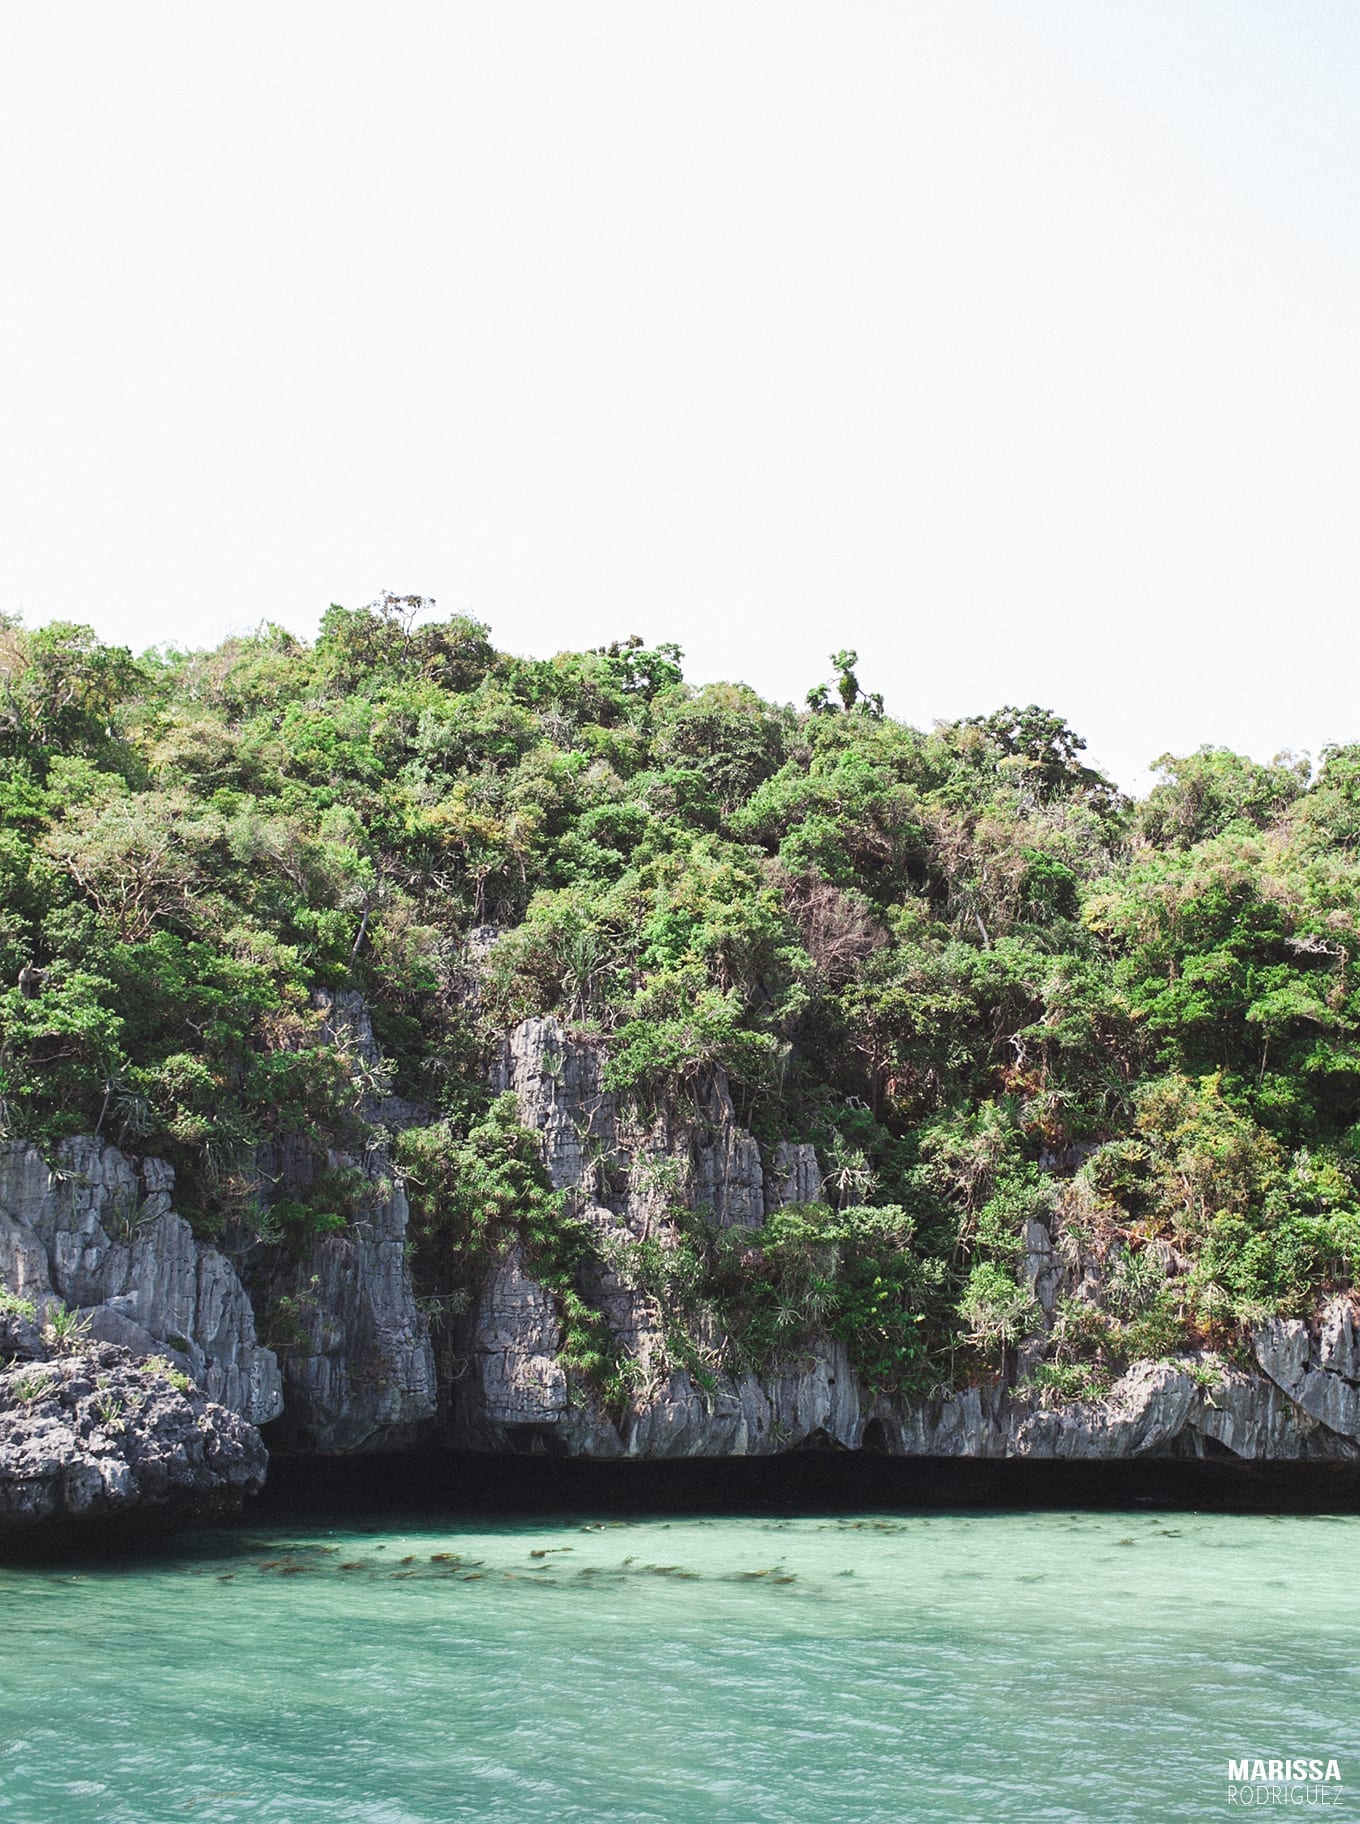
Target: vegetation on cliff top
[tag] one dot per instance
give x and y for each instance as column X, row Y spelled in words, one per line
column 958, row 960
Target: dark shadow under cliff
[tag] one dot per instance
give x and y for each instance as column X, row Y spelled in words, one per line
column 798, row 1482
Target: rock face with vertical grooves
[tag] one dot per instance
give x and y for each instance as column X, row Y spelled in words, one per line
column 96, row 1232
column 1191, row 1405
column 1317, row 1366
column 622, row 1173
column 358, row 1366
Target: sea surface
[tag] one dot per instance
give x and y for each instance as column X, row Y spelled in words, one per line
column 852, row 1669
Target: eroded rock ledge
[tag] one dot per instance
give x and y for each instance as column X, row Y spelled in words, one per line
column 97, row 1443
column 95, row 1232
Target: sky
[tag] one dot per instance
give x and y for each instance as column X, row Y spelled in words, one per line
column 1010, row 342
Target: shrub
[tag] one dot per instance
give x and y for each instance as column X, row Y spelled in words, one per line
column 997, row 1310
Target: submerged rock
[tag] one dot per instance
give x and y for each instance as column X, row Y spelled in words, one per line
column 96, row 1443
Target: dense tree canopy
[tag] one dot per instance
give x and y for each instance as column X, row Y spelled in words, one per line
column 958, row 959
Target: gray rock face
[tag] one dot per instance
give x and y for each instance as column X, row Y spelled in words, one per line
column 811, row 1398
column 729, row 1179
column 1190, row 1405
column 704, row 1159
column 629, row 1174
column 1318, row 1367
column 97, row 1234
column 358, row 1368
column 795, row 1176
column 559, row 1084
column 969, row 1423
column 95, row 1439
column 514, row 1392
column 1170, row 1409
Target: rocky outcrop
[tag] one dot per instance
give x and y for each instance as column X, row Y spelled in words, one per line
column 96, row 1232
column 627, row 1176
column 1317, row 1365
column 811, row 1400
column 629, row 1173
column 358, row 1368
column 513, row 1392
column 96, row 1442
column 517, row 1396
column 1194, row 1404
column 697, row 1155
column 559, row 1085
column 794, row 1177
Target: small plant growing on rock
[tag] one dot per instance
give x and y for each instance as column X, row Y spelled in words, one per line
column 286, row 1325
column 64, row 1330
column 163, row 1366
column 122, row 1217
column 1059, row 1383
column 108, row 1411
column 11, row 1305
column 1206, row 1374
column 32, row 1387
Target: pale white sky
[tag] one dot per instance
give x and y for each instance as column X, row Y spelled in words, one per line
column 1013, row 342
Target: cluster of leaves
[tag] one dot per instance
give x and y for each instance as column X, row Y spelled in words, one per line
column 956, row 958
column 854, row 1274
column 473, row 1192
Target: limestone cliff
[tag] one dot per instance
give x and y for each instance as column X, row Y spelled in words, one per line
column 348, row 1365
column 513, row 1394
column 624, row 1172
column 358, row 1368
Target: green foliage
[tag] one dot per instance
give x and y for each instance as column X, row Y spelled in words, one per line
column 326, row 1206
column 469, row 1191
column 1037, row 748
column 286, row 1325
column 108, row 1411
column 64, row 1330
column 955, row 959
column 1206, row 793
column 996, row 1309
column 33, row 1385
column 1059, row 1383
column 165, row 1369
column 854, row 1274
column 11, row 1305
column 475, row 1193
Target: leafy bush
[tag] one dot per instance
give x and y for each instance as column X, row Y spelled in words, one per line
column 996, row 1309
column 853, row 1274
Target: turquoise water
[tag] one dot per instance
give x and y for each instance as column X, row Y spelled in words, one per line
column 863, row 1669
